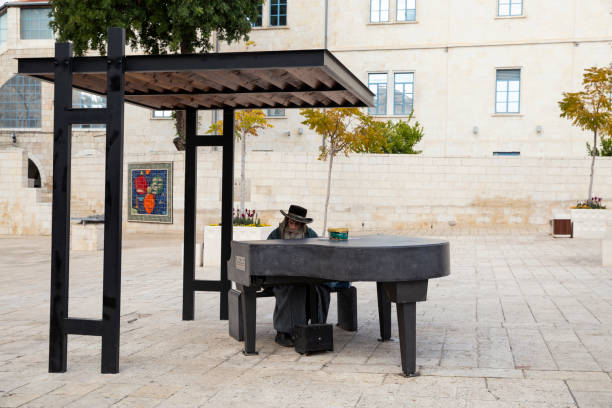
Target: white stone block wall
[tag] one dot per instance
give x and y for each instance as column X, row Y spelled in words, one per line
column 22, row 211
column 369, row 192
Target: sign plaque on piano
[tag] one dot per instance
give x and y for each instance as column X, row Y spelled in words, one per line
column 401, row 266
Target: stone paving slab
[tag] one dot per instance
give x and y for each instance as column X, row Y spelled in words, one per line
column 524, row 320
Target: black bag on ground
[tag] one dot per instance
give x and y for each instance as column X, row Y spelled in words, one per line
column 313, row 338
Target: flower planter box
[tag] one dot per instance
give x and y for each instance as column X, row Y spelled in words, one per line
column 212, row 240
column 589, row 223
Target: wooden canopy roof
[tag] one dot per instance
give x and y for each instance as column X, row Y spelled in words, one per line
column 278, row 79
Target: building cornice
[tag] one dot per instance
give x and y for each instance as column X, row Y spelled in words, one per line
column 23, row 4
column 575, row 41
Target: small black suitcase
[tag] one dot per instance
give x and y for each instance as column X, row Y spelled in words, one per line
column 314, row 337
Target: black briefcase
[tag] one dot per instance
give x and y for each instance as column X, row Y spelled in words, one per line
column 314, row 337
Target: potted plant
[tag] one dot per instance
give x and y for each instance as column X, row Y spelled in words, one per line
column 246, row 227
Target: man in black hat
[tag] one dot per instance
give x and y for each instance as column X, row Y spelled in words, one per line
column 292, row 300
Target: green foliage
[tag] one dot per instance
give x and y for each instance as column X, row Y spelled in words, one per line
column 247, row 122
column 591, row 108
column 344, row 130
column 606, row 146
column 402, row 137
column 388, row 137
column 155, row 26
column 604, row 150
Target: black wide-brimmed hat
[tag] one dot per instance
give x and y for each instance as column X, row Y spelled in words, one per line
column 297, row 213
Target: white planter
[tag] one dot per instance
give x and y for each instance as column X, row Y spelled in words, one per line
column 198, row 254
column 212, row 240
column 590, row 223
column 86, row 237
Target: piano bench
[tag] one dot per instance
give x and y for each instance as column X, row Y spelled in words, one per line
column 346, row 301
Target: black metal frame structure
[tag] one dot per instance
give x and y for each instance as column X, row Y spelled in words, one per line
column 312, row 78
column 64, row 116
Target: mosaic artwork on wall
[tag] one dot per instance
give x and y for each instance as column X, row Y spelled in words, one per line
column 150, row 192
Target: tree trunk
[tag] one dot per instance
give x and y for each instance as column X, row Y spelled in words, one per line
column 593, row 153
column 179, row 124
column 186, row 47
column 331, row 162
column 243, row 174
column 180, row 141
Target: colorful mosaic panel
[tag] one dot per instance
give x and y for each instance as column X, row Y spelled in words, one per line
column 150, row 192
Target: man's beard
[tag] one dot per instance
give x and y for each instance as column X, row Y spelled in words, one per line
column 287, row 234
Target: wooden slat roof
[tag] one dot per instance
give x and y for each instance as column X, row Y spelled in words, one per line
column 278, row 79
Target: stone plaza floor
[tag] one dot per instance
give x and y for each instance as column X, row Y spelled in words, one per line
column 524, row 320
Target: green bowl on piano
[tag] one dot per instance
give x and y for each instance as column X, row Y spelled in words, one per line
column 338, row 234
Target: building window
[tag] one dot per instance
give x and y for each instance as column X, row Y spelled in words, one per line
column 508, row 91
column 278, row 12
column 162, row 114
column 506, row 153
column 508, row 8
column 379, row 11
column 3, row 29
column 403, row 93
column 84, row 100
column 35, row 24
column 378, row 85
column 406, row 10
column 276, row 112
column 33, row 175
column 20, row 105
column 259, row 20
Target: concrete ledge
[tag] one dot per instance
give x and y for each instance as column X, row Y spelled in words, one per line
column 87, row 237
column 590, row 223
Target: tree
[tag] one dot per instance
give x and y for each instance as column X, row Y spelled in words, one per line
column 591, row 109
column 247, row 122
column 343, row 130
column 155, row 26
column 403, row 137
column 606, row 146
column 397, row 137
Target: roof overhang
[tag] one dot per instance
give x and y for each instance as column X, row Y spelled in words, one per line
column 241, row 80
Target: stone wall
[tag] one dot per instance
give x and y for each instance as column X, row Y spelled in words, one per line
column 23, row 210
column 369, row 192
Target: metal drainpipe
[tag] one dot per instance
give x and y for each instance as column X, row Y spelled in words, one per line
column 326, row 12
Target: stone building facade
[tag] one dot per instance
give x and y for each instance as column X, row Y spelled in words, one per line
column 483, row 76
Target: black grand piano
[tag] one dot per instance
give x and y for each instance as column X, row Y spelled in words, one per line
column 400, row 266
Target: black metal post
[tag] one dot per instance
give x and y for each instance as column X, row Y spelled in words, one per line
column 189, row 229
column 227, row 200
column 60, row 232
column 111, row 292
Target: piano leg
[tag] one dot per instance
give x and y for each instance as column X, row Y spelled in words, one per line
column 249, row 313
column 384, row 312
column 406, row 321
column 405, row 295
column 347, row 308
